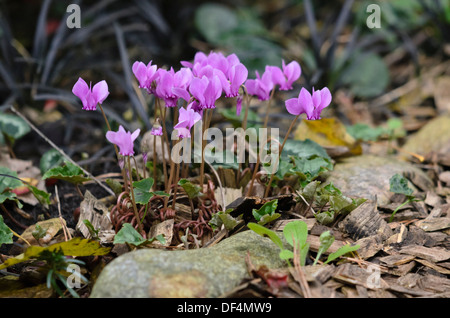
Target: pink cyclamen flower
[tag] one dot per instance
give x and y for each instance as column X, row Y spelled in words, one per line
column 123, row 139
column 157, row 131
column 90, row 97
column 145, row 74
column 286, row 77
column 206, row 91
column 186, row 119
column 237, row 75
column 173, row 85
column 261, row 86
column 311, row 105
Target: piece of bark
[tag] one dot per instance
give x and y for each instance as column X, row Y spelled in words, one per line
column 319, row 273
column 432, row 254
column 434, row 224
column 355, row 275
column 365, row 221
column 166, row 229
column 432, row 199
column 95, row 212
column 369, row 246
column 431, row 265
column 396, row 259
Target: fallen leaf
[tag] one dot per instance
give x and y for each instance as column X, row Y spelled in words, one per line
column 330, row 133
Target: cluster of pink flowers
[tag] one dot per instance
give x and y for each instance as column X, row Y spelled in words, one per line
column 200, row 84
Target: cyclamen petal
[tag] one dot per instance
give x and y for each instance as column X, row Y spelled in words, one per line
column 292, row 71
column 100, row 91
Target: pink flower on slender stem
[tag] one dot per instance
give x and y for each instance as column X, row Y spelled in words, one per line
column 206, row 91
column 311, row 105
column 261, row 86
column 145, row 74
column 90, row 97
column 124, row 140
column 173, row 85
column 286, row 77
column 187, row 118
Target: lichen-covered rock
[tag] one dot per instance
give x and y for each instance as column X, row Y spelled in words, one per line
column 204, row 272
column 367, row 176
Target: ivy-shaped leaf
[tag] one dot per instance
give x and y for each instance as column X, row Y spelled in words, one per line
column 5, row 233
column 69, row 172
column 142, row 191
column 266, row 213
column 128, row 234
column 50, row 159
column 192, row 190
column 399, row 184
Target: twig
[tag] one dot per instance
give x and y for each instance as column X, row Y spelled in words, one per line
column 60, row 150
column 63, row 225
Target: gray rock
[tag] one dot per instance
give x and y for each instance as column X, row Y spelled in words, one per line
column 205, row 272
column 367, row 176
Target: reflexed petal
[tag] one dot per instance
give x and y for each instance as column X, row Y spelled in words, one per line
column 140, row 71
column 316, row 98
column 293, row 107
column 277, row 76
column 100, row 91
column 325, row 97
column 135, row 134
column 292, row 71
column 305, row 102
column 181, row 93
column 198, row 87
column 80, row 89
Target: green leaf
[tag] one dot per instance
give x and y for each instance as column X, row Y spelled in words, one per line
column 367, row 76
column 230, row 114
column 10, row 196
column 5, row 233
column 142, row 190
column 69, row 172
column 50, row 159
column 296, row 231
column 13, row 126
column 38, row 232
column 311, row 168
column 340, row 252
column 326, row 239
column 192, row 190
column 303, row 149
column 74, row 247
column 364, row 132
column 42, row 196
column 128, row 234
column 91, row 229
column 265, row 232
column 399, row 184
column 223, row 217
column 7, row 182
column 214, row 20
column 325, row 217
column 266, row 213
column 115, row 185
column 286, row 255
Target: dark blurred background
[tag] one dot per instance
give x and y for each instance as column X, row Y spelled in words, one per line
column 41, row 58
